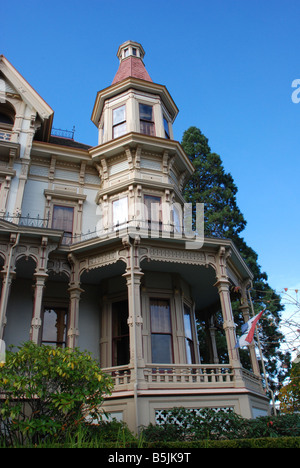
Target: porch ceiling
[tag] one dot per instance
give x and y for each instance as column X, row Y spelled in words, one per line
column 96, row 275
column 201, row 280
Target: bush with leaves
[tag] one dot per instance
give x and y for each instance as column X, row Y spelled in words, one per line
column 181, row 424
column 289, row 395
column 47, row 392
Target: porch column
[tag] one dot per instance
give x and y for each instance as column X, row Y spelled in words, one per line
column 73, row 328
column 133, row 277
column 244, row 307
column 135, row 321
column 229, row 328
column 7, row 278
column 213, row 344
column 8, row 275
column 36, row 322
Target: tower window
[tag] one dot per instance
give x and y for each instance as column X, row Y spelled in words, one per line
column 166, row 126
column 146, row 120
column 119, row 121
column 120, row 211
column 153, row 212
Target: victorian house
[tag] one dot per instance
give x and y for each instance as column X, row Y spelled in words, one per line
column 94, row 252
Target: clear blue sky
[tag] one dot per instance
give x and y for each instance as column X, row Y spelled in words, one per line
column 229, row 66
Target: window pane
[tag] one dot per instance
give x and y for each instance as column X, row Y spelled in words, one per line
column 145, row 112
column 190, row 356
column 120, row 334
column 177, row 219
column 120, row 211
column 161, row 349
column 160, row 316
column 147, row 128
column 119, row 318
column 63, row 218
column 166, row 125
column 153, row 208
column 187, row 322
column 119, row 115
column 119, row 130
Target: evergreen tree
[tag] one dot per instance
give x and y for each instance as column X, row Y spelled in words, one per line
column 211, row 185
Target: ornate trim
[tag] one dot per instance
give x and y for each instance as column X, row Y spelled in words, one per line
column 181, row 256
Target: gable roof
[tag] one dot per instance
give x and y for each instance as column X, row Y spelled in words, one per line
column 28, row 94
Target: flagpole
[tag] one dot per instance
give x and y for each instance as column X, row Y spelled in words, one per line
column 261, row 357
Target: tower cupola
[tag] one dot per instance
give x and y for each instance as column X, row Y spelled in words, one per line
column 133, row 103
column 131, row 56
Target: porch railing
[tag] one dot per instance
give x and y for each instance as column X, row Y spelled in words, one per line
column 28, row 220
column 166, row 376
column 192, row 376
column 176, row 375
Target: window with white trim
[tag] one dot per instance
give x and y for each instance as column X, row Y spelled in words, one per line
column 119, row 121
column 188, row 330
column 161, row 331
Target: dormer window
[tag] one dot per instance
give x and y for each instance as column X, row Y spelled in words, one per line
column 119, row 121
column 146, row 120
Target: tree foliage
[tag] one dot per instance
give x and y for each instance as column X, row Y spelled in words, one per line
column 48, row 392
column 289, row 395
column 212, row 185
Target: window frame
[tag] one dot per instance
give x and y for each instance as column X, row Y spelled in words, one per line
column 115, row 338
column 189, row 340
column 113, row 201
column 120, row 123
column 166, row 127
column 145, row 121
column 66, row 235
column 162, row 333
column 157, row 224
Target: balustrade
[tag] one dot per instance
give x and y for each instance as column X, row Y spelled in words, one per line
column 174, row 376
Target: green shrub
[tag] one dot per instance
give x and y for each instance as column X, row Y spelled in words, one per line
column 182, row 424
column 47, row 393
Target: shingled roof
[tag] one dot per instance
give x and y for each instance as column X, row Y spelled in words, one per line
column 131, row 67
